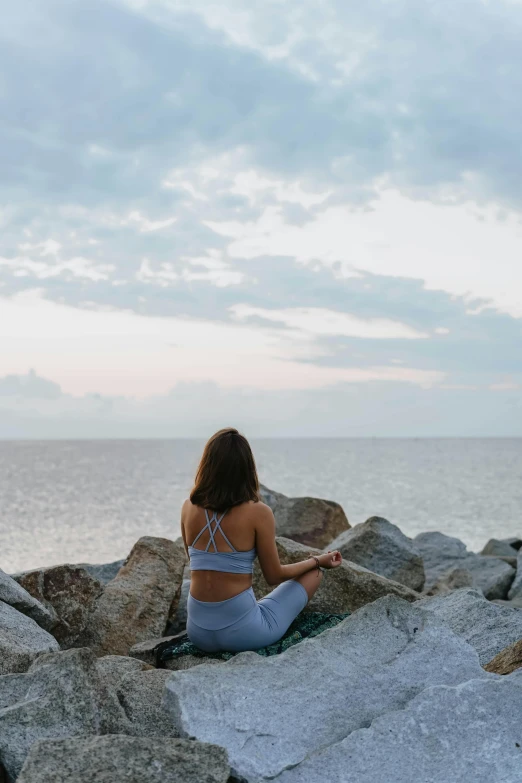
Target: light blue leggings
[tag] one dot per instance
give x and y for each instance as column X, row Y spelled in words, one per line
column 242, row 623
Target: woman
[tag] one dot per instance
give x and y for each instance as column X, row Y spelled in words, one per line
column 224, row 527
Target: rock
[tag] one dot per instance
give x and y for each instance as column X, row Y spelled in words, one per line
column 443, row 553
column 271, row 713
column 13, row 594
column 188, row 662
column 515, row 542
column 119, row 759
column 105, row 572
column 309, row 521
column 507, row 660
column 70, row 593
column 489, row 628
column 500, row 548
column 135, row 606
column 178, row 621
column 467, row 733
column 516, row 587
column 148, row 651
column 73, row 693
column 382, row 548
column 21, row 640
column 516, row 603
column 455, row 579
column 59, row 700
column 343, row 589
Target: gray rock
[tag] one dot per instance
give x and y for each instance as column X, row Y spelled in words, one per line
column 307, row 520
column 452, row 580
column 487, row 627
column 178, row 621
column 117, row 759
column 188, row 662
column 21, row 640
column 59, row 700
column 443, row 553
column 516, row 587
column 271, row 713
column 13, row 594
column 500, row 548
column 343, row 589
column 73, row 693
column 515, row 542
column 105, row 572
column 70, row 593
column 468, row 733
column 382, row 548
column 136, row 605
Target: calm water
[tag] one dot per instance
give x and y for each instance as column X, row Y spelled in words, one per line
column 91, row 500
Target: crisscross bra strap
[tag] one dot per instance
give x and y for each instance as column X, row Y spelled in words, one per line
column 213, row 531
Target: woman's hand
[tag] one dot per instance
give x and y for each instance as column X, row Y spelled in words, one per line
column 330, row 559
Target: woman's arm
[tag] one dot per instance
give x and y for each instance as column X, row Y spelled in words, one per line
column 182, row 525
column 268, row 555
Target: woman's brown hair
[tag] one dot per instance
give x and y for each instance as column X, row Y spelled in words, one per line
column 227, row 474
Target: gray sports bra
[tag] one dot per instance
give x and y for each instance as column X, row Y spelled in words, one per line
column 235, row 562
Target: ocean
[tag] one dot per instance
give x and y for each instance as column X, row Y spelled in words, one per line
column 89, row 501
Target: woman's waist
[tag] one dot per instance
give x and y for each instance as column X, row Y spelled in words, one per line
column 217, row 586
column 216, row 615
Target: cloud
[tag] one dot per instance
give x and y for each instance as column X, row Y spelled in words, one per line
column 198, row 409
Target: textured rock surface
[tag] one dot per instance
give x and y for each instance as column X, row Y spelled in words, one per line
column 472, row 733
column 188, row 662
column 21, row 640
column 135, row 606
column 500, row 548
column 343, row 589
column 105, row 572
column 310, row 521
column 382, row 548
column 507, row 661
column 70, row 592
column 58, row 699
column 270, row 713
column 489, row 628
column 516, row 588
column 178, row 620
column 73, row 693
column 148, row 651
column 455, row 579
column 13, row 594
column 443, row 553
column 118, row 759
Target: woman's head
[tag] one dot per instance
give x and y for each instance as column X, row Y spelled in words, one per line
column 227, row 474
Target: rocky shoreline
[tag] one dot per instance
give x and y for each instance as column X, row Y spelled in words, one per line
column 421, row 683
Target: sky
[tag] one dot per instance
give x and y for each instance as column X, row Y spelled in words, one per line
column 301, row 219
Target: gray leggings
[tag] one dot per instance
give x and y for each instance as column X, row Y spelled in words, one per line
column 242, row 623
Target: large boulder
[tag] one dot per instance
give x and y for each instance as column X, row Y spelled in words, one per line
column 310, row 521
column 137, row 603
column 105, row 572
column 382, row 548
column 73, row 693
column 467, row 733
column 21, row 640
column 343, row 589
column 516, row 588
column 452, row 580
column 443, row 553
column 507, row 661
column 271, row 713
column 70, row 593
column 487, row 627
column 178, row 620
column 119, row 759
column 16, row 596
column 499, row 548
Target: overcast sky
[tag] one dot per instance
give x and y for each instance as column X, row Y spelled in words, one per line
column 298, row 218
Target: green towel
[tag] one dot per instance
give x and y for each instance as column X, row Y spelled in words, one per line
column 305, row 626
